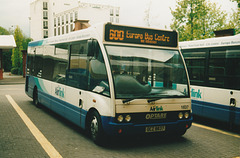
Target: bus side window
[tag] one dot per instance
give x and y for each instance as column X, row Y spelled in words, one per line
column 77, row 72
column 37, row 69
column 30, row 64
column 217, row 70
column 98, row 73
column 232, row 78
column 60, row 63
column 48, row 61
column 196, row 65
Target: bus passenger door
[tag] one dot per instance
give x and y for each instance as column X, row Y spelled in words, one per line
column 77, row 79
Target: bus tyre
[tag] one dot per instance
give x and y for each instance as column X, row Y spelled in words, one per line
column 95, row 128
column 35, row 98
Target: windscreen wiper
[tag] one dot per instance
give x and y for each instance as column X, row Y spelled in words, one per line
column 152, row 100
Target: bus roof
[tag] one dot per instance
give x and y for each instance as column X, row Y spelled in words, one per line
column 211, row 42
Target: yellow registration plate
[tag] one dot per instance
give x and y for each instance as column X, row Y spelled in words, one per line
column 155, row 129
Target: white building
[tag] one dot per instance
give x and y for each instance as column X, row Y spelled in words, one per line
column 56, row 17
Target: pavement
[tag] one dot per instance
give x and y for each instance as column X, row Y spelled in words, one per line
column 9, row 79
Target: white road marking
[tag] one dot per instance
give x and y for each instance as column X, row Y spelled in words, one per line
column 47, row 146
column 216, row 130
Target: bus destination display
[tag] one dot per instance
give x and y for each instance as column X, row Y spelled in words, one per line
column 125, row 34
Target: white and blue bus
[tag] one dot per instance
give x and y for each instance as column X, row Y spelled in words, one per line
column 214, row 71
column 112, row 80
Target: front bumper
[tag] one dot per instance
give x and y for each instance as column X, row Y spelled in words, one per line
column 116, row 129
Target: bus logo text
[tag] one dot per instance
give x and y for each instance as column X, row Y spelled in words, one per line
column 156, row 116
column 196, row 93
column 156, row 108
column 59, row 92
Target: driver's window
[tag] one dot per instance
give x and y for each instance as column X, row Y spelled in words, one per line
column 98, row 80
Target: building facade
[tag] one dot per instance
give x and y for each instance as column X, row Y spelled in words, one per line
column 56, row 17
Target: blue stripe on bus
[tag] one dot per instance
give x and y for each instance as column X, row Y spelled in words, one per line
column 216, row 111
column 68, row 111
column 63, row 108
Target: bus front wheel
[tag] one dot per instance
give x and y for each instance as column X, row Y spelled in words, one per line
column 95, row 128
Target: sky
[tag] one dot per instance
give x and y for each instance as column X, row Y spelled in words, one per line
column 132, row 12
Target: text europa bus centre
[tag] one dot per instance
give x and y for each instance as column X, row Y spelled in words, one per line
column 112, row 80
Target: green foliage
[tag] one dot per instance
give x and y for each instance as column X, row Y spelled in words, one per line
column 238, row 1
column 3, row 31
column 197, row 19
column 17, row 52
column 235, row 22
column 25, row 42
column 235, row 18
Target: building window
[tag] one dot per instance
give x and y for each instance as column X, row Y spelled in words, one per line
column 62, row 30
column 63, row 19
column 111, row 12
column 117, row 12
column 55, row 22
column 76, row 15
column 71, row 28
column 45, row 14
column 67, row 18
column 111, row 19
column 58, row 30
column 45, row 33
column 117, row 19
column 45, row 6
column 55, row 32
column 58, row 21
column 67, row 29
column 71, row 17
column 45, row 24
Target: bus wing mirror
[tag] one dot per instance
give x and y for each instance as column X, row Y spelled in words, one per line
column 93, row 48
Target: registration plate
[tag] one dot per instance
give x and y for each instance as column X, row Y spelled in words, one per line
column 155, row 129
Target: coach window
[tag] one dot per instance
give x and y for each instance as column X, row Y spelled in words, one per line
column 232, row 78
column 217, row 70
column 30, row 58
column 38, row 62
column 77, row 74
column 195, row 62
column 48, row 61
column 60, row 63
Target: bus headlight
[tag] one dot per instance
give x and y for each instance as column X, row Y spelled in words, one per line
column 186, row 115
column 120, row 118
column 180, row 115
column 128, row 118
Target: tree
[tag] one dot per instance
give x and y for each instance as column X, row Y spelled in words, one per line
column 3, row 31
column 197, row 19
column 25, row 42
column 238, row 2
column 235, row 18
column 17, row 52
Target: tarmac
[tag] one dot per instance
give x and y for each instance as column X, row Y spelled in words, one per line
column 9, row 79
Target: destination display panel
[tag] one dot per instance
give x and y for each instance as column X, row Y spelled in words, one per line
column 135, row 35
